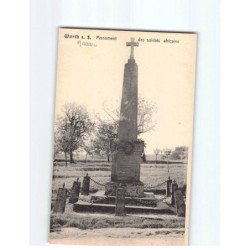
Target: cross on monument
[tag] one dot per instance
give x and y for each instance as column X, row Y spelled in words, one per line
column 126, row 158
column 132, row 44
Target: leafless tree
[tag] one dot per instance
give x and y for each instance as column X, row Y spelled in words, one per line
column 145, row 118
column 60, row 144
column 107, row 129
column 89, row 148
column 180, row 152
column 166, row 152
column 157, row 151
column 72, row 128
column 146, row 111
column 106, row 135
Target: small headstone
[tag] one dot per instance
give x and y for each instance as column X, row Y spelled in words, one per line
column 169, row 183
column 120, row 201
column 184, row 190
column 180, row 203
column 75, row 191
column 61, row 198
column 174, row 187
column 85, row 185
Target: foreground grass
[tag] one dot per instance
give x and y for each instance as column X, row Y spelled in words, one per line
column 95, row 221
column 101, row 172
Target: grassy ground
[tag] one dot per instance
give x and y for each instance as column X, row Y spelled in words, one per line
column 150, row 174
column 93, row 221
column 102, row 229
column 153, row 229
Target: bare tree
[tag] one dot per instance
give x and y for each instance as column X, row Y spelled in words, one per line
column 72, row 128
column 89, row 148
column 107, row 129
column 180, row 152
column 145, row 116
column 157, row 151
column 61, row 143
column 146, row 111
column 166, row 152
column 106, row 135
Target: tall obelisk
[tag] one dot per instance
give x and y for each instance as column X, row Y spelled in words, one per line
column 127, row 156
column 128, row 114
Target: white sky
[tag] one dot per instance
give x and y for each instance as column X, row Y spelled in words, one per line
column 92, row 76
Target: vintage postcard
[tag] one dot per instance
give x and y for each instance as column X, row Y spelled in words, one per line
column 123, row 137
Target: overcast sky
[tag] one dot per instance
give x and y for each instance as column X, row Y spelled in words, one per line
column 93, row 75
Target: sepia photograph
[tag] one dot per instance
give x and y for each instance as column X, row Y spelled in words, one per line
column 123, row 134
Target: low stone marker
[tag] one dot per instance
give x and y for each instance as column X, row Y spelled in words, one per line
column 85, row 185
column 61, row 198
column 180, row 203
column 169, row 183
column 75, row 191
column 174, row 187
column 120, row 201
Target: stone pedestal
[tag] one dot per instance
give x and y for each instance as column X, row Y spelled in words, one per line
column 126, row 168
column 133, row 189
column 126, row 161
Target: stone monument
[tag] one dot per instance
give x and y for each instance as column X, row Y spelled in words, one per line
column 120, row 201
column 180, row 203
column 174, row 188
column 128, row 149
column 85, row 185
column 75, row 191
column 61, row 198
column 169, row 183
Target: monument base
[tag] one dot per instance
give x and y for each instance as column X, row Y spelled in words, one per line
column 133, row 189
column 148, row 200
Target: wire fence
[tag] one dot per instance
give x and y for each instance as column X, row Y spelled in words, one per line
column 158, row 185
column 98, row 183
column 147, row 187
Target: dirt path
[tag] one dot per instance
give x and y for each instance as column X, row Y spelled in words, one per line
column 119, row 236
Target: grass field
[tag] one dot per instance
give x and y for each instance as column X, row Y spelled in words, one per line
column 80, row 228
column 151, row 174
column 91, row 221
column 86, row 226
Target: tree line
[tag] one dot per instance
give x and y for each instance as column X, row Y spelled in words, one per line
column 74, row 129
column 178, row 153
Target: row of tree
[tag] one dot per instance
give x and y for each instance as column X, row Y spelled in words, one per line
column 178, row 153
column 74, row 129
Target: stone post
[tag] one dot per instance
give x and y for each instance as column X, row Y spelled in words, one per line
column 180, row 203
column 120, row 201
column 169, row 183
column 174, row 188
column 74, row 194
column 85, row 185
column 61, row 198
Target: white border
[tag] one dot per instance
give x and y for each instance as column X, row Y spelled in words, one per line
column 199, row 16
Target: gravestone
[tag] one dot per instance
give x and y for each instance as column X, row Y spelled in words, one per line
column 180, row 203
column 128, row 149
column 120, row 201
column 75, row 191
column 169, row 183
column 174, row 187
column 61, row 198
column 85, row 185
